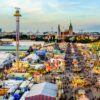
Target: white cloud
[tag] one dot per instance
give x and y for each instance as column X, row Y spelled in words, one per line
column 48, row 12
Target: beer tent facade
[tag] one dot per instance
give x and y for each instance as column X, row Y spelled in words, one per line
column 42, row 91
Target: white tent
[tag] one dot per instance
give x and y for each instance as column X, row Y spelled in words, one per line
column 59, row 59
column 44, row 89
column 24, row 95
column 39, row 66
column 24, row 84
column 29, row 43
column 5, row 58
column 31, row 56
column 11, row 83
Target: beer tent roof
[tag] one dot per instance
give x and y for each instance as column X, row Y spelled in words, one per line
column 47, row 89
column 5, row 58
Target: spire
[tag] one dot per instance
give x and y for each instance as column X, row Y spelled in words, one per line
column 59, row 31
column 70, row 28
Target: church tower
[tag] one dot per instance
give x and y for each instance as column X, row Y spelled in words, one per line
column 70, row 29
column 59, row 31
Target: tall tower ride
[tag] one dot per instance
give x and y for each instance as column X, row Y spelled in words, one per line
column 17, row 15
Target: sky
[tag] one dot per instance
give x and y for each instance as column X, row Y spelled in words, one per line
column 45, row 15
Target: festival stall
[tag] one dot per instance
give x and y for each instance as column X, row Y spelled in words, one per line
column 31, row 58
column 18, row 76
column 21, row 68
column 81, row 95
column 3, row 91
column 9, row 86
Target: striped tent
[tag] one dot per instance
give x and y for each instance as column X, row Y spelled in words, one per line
column 42, row 91
column 40, row 97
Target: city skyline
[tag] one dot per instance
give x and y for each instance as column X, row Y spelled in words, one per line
column 45, row 15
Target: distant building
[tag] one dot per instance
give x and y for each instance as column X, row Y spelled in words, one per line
column 0, row 30
column 59, row 31
column 62, row 35
column 70, row 29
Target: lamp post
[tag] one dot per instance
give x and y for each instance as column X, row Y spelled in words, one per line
column 17, row 15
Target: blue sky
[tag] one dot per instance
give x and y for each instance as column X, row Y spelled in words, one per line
column 43, row 14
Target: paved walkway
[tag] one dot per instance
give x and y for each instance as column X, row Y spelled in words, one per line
column 70, row 74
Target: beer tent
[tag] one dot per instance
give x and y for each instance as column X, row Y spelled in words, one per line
column 42, row 91
column 5, row 59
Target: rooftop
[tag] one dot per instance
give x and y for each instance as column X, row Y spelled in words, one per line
column 47, row 89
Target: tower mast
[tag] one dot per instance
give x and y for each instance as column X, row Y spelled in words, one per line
column 17, row 15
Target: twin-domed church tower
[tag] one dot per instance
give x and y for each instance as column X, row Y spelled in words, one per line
column 65, row 33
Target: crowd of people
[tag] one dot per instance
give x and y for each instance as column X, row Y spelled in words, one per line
column 73, row 67
column 79, row 71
